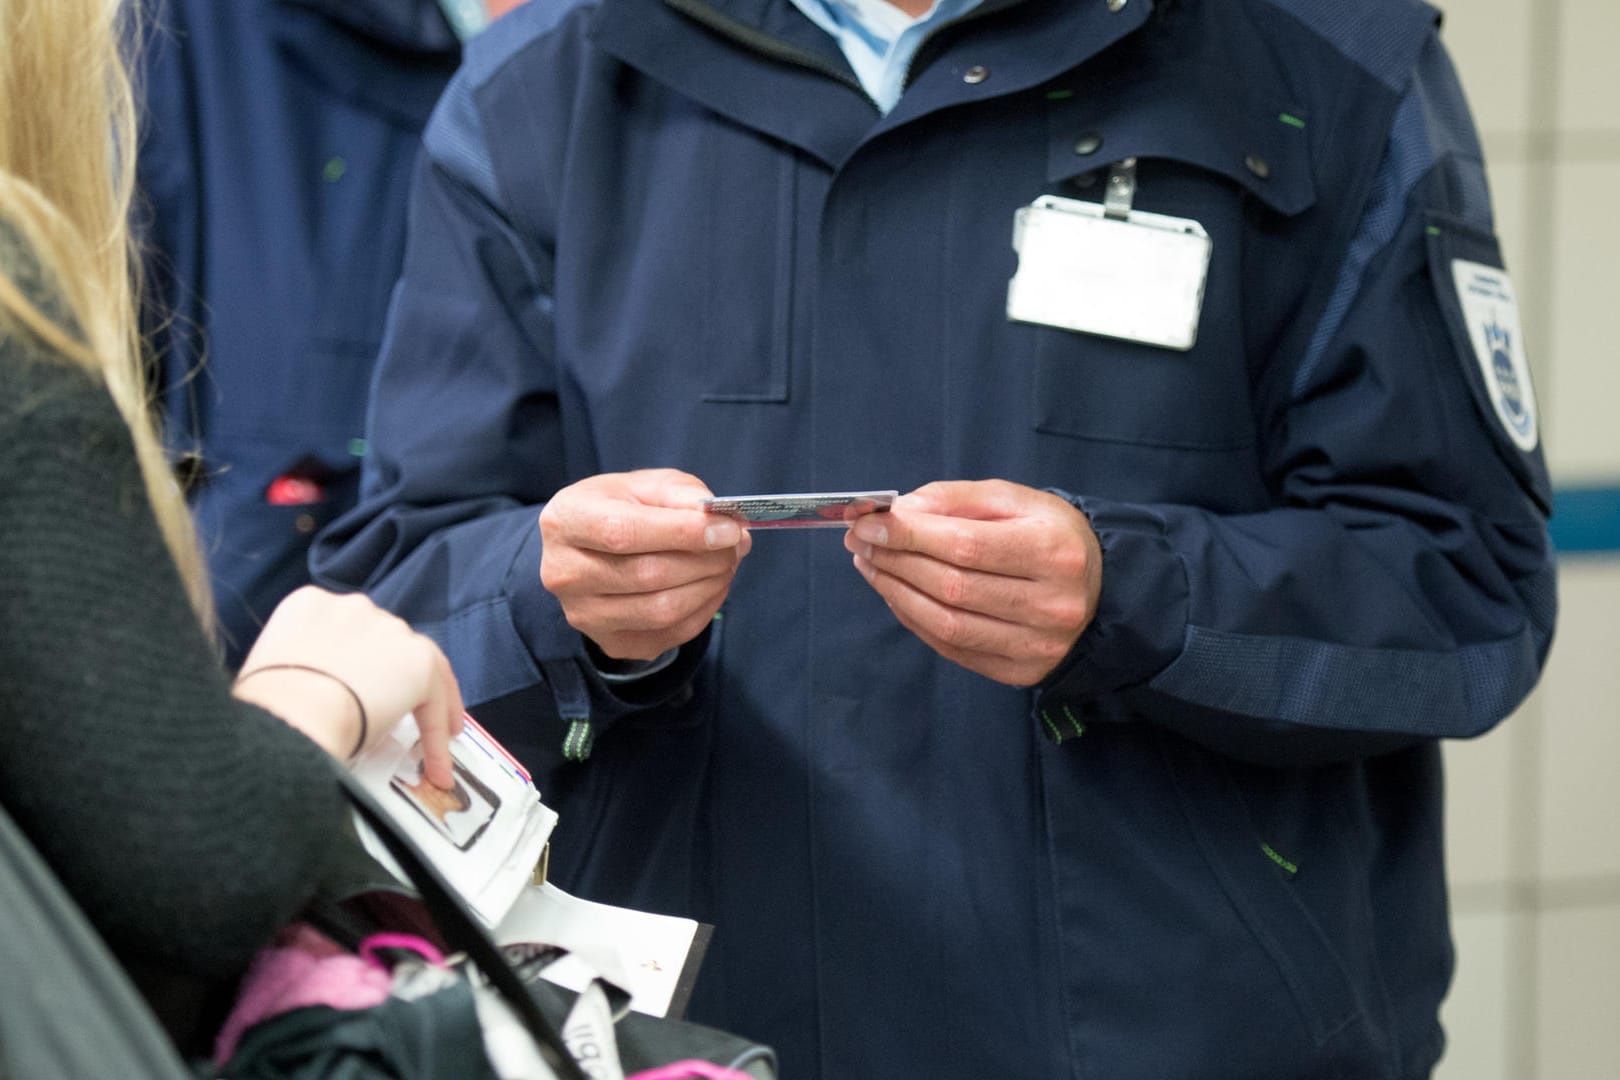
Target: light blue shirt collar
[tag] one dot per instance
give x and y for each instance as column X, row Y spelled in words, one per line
column 467, row 17
column 879, row 39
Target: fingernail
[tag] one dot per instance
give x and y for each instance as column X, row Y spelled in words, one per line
column 864, row 567
column 722, row 534
column 873, row 532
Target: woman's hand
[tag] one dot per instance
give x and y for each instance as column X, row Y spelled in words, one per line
column 344, row 672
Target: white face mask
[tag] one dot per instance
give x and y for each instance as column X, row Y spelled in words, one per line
column 467, row 17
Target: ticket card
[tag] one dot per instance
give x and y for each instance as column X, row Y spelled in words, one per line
column 810, row 510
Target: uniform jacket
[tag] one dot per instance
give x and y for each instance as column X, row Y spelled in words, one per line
column 676, row 233
column 278, row 146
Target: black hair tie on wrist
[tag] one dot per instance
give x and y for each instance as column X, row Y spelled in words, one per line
column 365, row 726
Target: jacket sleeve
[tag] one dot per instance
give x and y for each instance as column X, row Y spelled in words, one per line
column 1402, row 586
column 189, row 826
column 466, row 442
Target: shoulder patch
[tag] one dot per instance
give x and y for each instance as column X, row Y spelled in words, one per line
column 1491, row 314
column 1481, row 314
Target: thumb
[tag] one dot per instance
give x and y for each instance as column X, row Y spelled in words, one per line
column 982, row 500
column 669, row 488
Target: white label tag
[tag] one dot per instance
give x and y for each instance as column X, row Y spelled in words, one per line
column 1492, row 314
column 643, row 952
column 1140, row 279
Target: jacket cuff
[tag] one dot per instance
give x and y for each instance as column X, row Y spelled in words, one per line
column 581, row 701
column 1141, row 619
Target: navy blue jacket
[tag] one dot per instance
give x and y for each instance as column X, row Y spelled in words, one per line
column 676, row 233
column 279, row 139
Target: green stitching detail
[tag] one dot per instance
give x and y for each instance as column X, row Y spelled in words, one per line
column 357, row 447
column 1057, row 736
column 1079, row 728
column 1271, row 853
column 1059, row 95
column 1432, row 230
column 577, row 743
column 1292, row 121
column 335, row 168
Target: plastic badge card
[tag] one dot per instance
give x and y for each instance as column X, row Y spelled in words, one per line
column 1139, row 278
column 486, row 835
column 809, row 510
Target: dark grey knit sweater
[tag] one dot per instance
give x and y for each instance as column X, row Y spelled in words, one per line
column 189, row 826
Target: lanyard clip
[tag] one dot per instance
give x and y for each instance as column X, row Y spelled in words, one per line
column 1121, row 190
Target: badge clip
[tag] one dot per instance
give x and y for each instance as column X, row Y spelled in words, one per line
column 1121, row 190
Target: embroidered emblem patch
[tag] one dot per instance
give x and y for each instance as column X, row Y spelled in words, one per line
column 1492, row 314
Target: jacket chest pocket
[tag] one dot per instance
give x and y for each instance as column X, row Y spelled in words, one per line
column 1229, row 171
column 746, row 305
column 682, row 253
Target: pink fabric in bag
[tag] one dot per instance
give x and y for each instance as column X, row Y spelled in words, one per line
column 691, row 1070
column 302, row 967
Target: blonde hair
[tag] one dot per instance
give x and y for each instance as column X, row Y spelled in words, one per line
column 67, row 174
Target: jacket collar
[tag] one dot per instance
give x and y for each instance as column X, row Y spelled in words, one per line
column 765, row 65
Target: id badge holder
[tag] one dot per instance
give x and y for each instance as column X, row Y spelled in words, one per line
column 1104, row 268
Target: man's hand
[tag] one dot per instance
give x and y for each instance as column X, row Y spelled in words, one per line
column 995, row 576
column 638, row 566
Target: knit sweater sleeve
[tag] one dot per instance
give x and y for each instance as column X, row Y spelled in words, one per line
column 188, row 826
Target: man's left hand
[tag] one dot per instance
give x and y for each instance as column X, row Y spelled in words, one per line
column 995, row 576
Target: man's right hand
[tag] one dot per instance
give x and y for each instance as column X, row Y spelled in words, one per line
column 637, row 565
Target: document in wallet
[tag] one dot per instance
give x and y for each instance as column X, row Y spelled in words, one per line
column 487, row 834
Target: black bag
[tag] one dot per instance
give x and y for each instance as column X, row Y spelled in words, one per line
column 67, row 1009
column 435, row 1038
column 439, row 1036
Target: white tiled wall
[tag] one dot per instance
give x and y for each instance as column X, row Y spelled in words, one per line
column 1579, row 992
column 1473, row 1013
column 1588, row 78
column 1578, row 831
column 1579, row 410
column 1481, row 824
column 1489, row 44
column 1534, row 807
